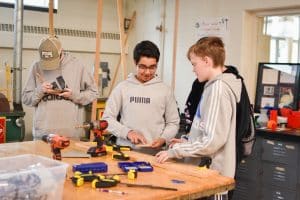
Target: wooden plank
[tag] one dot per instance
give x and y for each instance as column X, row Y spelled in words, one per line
column 175, row 44
column 194, row 186
column 97, row 58
column 51, row 28
column 132, row 22
column 122, row 35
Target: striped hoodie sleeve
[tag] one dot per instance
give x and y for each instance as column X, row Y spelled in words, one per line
column 211, row 125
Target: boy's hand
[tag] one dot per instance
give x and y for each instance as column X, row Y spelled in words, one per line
column 136, row 137
column 47, row 87
column 174, row 141
column 162, row 156
column 158, row 143
column 67, row 93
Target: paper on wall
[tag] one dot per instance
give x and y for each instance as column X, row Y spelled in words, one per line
column 270, row 76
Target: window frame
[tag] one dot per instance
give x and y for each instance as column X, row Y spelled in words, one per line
column 27, row 7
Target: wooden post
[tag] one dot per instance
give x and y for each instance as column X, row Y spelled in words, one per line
column 121, row 29
column 51, row 29
column 132, row 21
column 175, row 44
column 97, row 55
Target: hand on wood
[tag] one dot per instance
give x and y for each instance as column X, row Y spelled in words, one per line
column 136, row 138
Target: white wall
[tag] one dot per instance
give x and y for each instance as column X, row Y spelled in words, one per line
column 72, row 14
column 78, row 14
column 147, row 18
column 189, row 10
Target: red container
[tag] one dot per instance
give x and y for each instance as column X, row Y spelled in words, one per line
column 273, row 115
column 2, row 129
column 294, row 120
column 285, row 112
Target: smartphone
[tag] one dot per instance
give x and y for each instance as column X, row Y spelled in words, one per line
column 61, row 82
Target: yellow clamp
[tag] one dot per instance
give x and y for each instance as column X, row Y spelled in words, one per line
column 202, row 168
column 109, row 148
column 132, row 174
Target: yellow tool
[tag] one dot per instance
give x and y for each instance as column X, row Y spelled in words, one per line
column 132, row 174
column 205, row 163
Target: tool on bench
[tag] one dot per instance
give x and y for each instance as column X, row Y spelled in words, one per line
column 118, row 148
column 205, row 162
column 138, row 166
column 98, row 127
column 95, row 167
column 131, row 174
column 149, row 186
column 112, row 191
column 79, row 179
column 105, row 180
column 57, row 143
column 120, row 156
column 105, row 183
column 115, row 147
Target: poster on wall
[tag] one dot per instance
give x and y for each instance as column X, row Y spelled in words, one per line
column 286, row 97
column 270, row 76
column 278, row 86
column 269, row 90
column 287, row 78
column 267, row 102
column 212, row 26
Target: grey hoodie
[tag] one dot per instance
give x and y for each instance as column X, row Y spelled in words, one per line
column 149, row 108
column 213, row 129
column 55, row 114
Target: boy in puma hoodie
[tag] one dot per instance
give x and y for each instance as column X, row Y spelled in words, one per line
column 213, row 129
column 146, row 105
column 58, row 86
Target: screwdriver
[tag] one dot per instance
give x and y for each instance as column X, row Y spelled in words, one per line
column 149, row 186
column 111, row 191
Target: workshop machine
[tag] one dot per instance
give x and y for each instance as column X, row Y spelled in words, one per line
column 14, row 123
column 12, row 126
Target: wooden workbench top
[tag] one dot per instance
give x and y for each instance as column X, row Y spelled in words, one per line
column 198, row 183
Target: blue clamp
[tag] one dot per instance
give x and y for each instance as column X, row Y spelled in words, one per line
column 138, row 166
column 96, row 167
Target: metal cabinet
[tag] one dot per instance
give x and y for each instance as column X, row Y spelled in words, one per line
column 280, row 151
column 272, row 172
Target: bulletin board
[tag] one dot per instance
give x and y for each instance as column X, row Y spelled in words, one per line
column 278, row 86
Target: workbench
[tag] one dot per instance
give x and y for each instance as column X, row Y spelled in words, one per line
column 197, row 182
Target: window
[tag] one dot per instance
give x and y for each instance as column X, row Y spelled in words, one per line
column 38, row 5
column 285, row 38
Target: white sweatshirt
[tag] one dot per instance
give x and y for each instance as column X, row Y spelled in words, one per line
column 214, row 126
column 55, row 114
column 149, row 108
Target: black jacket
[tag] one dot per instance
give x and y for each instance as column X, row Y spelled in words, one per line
column 195, row 96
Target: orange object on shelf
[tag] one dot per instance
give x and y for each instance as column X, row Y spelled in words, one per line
column 272, row 125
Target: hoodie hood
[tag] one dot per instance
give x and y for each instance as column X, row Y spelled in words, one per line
column 231, row 81
column 132, row 78
column 66, row 59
